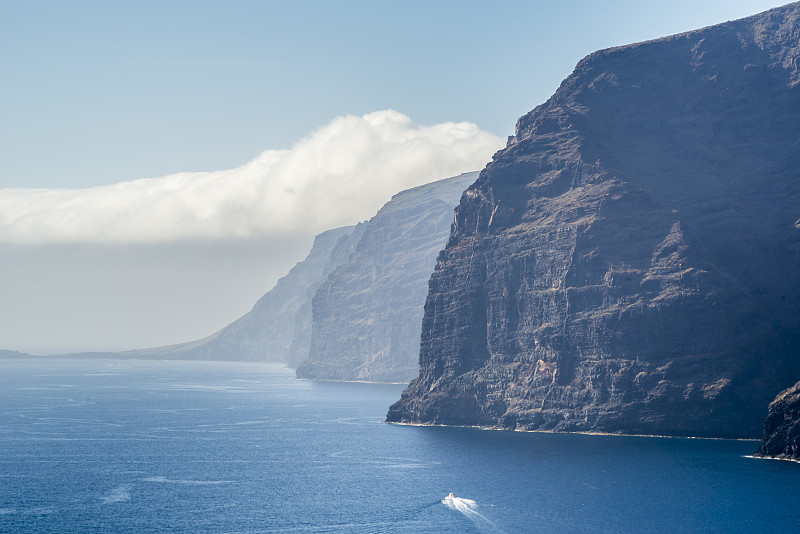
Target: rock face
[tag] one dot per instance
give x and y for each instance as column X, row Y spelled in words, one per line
column 267, row 332
column 782, row 427
column 301, row 333
column 367, row 313
column 630, row 262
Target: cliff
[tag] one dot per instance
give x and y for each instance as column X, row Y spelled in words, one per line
column 267, row 332
column 301, row 333
column 367, row 313
column 630, row 262
column 782, row 427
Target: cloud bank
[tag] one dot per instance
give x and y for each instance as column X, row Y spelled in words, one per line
column 338, row 175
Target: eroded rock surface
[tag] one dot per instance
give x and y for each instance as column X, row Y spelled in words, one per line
column 630, row 262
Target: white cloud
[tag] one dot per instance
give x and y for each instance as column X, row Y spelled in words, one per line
column 339, row 174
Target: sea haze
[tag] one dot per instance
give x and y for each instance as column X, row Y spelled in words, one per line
column 136, row 446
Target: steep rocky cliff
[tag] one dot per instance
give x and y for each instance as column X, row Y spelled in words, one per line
column 630, row 262
column 367, row 314
column 782, row 427
column 301, row 333
column 267, row 332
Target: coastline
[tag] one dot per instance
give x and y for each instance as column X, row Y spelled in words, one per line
column 584, row 432
column 762, row 457
column 351, row 381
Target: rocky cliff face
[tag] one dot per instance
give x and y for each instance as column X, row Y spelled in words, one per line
column 300, row 345
column 367, row 314
column 630, row 262
column 268, row 331
column 782, row 427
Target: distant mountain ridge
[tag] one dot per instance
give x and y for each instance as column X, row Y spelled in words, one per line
column 388, row 258
column 266, row 332
column 630, row 262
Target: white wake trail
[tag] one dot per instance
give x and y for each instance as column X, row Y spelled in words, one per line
column 469, row 509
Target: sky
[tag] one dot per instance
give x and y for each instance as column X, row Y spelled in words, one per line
column 163, row 163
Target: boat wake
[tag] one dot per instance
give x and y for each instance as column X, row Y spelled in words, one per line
column 469, row 509
column 117, row 495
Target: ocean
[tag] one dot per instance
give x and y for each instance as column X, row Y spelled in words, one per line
column 149, row 446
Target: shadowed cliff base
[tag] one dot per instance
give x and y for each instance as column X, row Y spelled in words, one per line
column 781, row 439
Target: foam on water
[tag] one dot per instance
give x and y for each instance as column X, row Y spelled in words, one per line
column 143, row 457
column 165, row 480
column 469, row 509
column 117, row 495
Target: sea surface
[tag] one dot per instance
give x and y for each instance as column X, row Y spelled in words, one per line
column 147, row 446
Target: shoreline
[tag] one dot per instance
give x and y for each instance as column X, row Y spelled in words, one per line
column 350, row 381
column 584, row 432
column 761, row 457
column 122, row 356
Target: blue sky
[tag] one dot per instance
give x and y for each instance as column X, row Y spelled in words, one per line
column 100, row 92
column 284, row 103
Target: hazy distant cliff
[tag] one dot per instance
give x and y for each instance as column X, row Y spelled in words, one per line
column 267, row 332
column 367, row 313
column 300, row 345
column 630, row 262
column 364, row 285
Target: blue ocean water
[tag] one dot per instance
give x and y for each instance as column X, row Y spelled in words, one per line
column 145, row 446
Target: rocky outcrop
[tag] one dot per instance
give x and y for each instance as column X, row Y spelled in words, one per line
column 630, row 262
column 268, row 332
column 367, row 313
column 782, row 427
